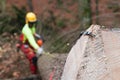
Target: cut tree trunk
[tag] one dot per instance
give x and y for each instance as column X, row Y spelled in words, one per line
column 51, row 66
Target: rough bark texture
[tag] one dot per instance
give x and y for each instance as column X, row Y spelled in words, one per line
column 51, row 66
column 94, row 58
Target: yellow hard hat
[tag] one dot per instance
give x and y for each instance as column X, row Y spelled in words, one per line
column 31, row 17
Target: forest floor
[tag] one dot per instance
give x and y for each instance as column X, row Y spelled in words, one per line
column 13, row 64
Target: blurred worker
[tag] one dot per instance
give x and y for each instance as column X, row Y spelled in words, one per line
column 28, row 44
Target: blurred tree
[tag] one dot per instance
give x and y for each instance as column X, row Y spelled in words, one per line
column 30, row 5
column 20, row 16
column 97, row 11
column 2, row 5
column 85, row 13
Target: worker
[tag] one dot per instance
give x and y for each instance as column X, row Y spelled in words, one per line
column 28, row 44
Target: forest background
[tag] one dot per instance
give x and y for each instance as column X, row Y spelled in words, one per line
column 59, row 22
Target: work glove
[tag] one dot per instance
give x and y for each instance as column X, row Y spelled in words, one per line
column 39, row 51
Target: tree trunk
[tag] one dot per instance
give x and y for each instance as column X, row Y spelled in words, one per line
column 51, row 66
column 3, row 5
column 30, row 5
column 84, row 13
column 97, row 11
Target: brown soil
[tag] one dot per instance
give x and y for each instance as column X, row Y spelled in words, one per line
column 14, row 65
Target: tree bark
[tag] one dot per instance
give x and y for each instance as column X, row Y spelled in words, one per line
column 51, row 66
column 97, row 11
column 30, row 5
column 3, row 5
column 84, row 13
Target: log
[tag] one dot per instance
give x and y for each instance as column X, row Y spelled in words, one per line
column 51, row 66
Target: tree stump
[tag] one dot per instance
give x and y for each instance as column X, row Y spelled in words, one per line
column 51, row 66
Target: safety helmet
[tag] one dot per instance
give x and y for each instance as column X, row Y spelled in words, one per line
column 30, row 17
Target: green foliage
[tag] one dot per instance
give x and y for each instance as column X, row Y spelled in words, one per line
column 20, row 15
column 13, row 23
column 60, row 46
column 59, row 2
column 64, row 42
column 52, row 27
column 71, row 2
column 47, row 30
column 2, row 6
column 84, row 13
column 66, row 10
column 6, row 24
column 61, row 23
column 115, row 7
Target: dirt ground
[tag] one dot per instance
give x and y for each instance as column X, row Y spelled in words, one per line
column 14, row 65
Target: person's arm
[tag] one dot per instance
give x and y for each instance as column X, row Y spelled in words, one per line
column 39, row 50
column 31, row 39
column 36, row 35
